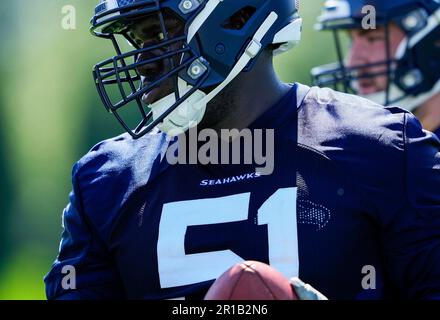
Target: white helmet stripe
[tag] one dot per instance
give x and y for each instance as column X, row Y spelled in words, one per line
column 288, row 37
column 254, row 47
column 109, row 5
column 201, row 18
column 335, row 10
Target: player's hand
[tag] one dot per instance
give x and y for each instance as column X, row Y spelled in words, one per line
column 305, row 291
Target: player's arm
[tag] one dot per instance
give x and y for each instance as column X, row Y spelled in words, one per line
column 411, row 236
column 83, row 268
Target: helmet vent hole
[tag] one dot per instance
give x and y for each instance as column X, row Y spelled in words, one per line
column 239, row 19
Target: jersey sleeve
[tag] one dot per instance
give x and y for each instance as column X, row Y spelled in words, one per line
column 83, row 268
column 411, row 235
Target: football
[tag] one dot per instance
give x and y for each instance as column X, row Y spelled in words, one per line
column 251, row 280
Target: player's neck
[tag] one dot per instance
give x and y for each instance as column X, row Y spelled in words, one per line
column 429, row 113
column 254, row 93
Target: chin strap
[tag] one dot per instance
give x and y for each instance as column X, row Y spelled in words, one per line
column 398, row 98
column 184, row 116
column 252, row 50
column 191, row 111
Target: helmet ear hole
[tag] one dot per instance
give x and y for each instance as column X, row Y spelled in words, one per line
column 239, row 19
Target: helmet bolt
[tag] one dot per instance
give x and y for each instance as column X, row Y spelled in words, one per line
column 195, row 70
column 412, row 78
column 187, row 4
column 411, row 22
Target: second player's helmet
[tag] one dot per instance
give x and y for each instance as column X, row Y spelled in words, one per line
column 217, row 40
column 413, row 73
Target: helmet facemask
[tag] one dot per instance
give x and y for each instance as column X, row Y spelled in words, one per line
column 168, row 75
column 148, row 69
column 342, row 77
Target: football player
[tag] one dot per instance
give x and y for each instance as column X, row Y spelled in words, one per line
column 352, row 206
column 394, row 56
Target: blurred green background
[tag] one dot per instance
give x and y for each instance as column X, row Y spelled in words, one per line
column 50, row 115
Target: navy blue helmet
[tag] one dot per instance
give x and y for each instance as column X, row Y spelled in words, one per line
column 413, row 72
column 193, row 48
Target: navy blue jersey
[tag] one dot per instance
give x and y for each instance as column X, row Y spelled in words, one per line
column 437, row 132
column 355, row 193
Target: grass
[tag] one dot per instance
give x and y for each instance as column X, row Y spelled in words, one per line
column 22, row 278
